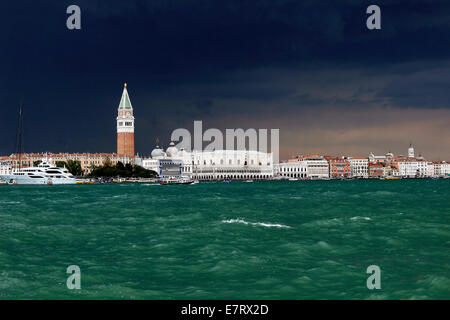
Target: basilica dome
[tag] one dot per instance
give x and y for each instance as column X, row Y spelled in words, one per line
column 158, row 153
column 172, row 150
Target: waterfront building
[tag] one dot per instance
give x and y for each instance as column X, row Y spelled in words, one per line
column 359, row 167
column 390, row 170
column 388, row 162
column 151, row 164
column 316, row 166
column 376, row 170
column 125, row 126
column 277, row 169
column 87, row 160
column 387, row 158
column 339, row 167
column 376, row 159
column 412, row 167
column 445, row 168
column 291, row 169
column 433, row 169
column 438, row 169
column 163, row 165
column 5, row 166
column 215, row 165
column 170, row 168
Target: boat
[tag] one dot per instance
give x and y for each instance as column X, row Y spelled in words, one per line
column 176, row 180
column 44, row 173
column 84, row 181
column 393, row 178
column 293, row 179
column 249, row 180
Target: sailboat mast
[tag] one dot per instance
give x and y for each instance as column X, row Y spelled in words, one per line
column 19, row 134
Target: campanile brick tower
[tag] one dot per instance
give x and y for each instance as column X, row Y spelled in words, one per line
column 125, row 126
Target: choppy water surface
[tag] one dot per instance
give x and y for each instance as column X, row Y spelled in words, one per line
column 262, row 240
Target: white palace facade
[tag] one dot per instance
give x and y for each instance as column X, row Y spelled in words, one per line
column 212, row 165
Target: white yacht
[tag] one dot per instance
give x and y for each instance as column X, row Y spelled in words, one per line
column 44, row 173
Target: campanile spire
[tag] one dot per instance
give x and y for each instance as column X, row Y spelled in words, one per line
column 125, row 126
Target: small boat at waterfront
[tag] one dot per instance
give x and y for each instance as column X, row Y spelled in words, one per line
column 249, row 181
column 85, row 181
column 176, row 180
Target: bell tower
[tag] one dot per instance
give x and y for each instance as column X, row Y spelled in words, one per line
column 125, row 126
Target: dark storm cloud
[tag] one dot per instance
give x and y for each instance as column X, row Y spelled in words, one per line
column 428, row 89
column 172, row 37
column 186, row 59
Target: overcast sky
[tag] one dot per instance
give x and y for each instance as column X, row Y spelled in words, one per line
column 310, row 68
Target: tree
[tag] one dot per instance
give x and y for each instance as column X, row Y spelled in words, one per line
column 36, row 163
column 95, row 171
column 61, row 164
column 74, row 167
column 107, row 163
column 120, row 166
column 121, row 170
column 140, row 172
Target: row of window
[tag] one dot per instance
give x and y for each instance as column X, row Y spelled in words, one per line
column 293, row 169
column 234, row 176
column 294, row 175
column 230, row 162
column 127, row 124
column 227, row 171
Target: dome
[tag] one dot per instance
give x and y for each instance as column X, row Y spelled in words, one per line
column 172, row 150
column 158, row 153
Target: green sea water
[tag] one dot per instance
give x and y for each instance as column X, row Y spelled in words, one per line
column 261, row 240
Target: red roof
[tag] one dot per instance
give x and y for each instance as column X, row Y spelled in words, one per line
column 376, row 165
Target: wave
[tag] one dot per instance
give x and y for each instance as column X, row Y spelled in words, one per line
column 379, row 193
column 324, row 222
column 360, row 218
column 260, row 224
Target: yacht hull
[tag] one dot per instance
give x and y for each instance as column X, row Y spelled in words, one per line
column 25, row 180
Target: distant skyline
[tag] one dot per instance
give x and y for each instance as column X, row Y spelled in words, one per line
column 311, row 69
